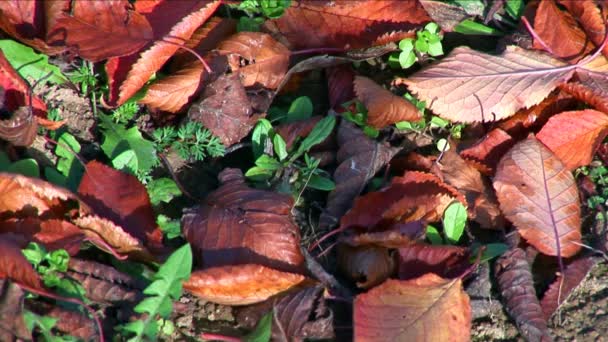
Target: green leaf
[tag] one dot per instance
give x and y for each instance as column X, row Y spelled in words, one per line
column 171, row 228
column 432, row 27
column 274, row 9
column 258, row 173
column 435, row 49
column 406, row 45
column 27, row 167
column 492, row 251
column 34, row 253
column 439, row 122
column 118, row 140
column 321, row 183
column 432, row 234
column 67, row 164
column 262, row 131
column 247, row 24
column 267, row 162
column 408, row 59
column 371, row 132
column 319, row 133
column 421, row 45
column 162, row 190
column 454, row 221
column 469, row 26
column 300, row 109
column 262, row 331
column 29, row 64
column 515, row 8
column 280, row 147
column 58, row 259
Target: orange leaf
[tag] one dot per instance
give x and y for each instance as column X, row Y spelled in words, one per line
column 383, row 107
column 98, row 228
column 589, row 15
column 488, row 150
column 53, row 234
column 595, row 97
column 345, row 23
column 539, row 195
column 367, row 265
column 14, row 266
column 240, row 285
column 575, row 136
column 267, row 59
column 410, row 310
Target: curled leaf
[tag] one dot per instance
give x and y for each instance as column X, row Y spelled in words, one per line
column 419, row 259
column 367, row 265
column 486, row 152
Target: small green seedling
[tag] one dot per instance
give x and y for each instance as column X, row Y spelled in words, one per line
column 45, row 324
column 427, row 43
column 162, row 190
column 454, row 222
column 85, row 78
column 191, row 141
column 171, row 228
column 27, row 167
column 357, row 114
column 257, row 11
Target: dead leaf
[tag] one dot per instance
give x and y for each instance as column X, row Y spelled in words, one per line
column 241, row 284
column 517, row 289
column 266, row 60
column 225, row 110
column 445, row 261
column 292, row 131
column 539, row 195
column 52, row 234
column 98, row 30
column 589, row 16
column 240, row 225
column 446, row 15
column 367, row 265
column 504, row 84
column 344, row 23
column 486, row 153
column 575, row 136
column 383, row 107
column 15, row 267
column 595, row 97
column 394, row 236
column 340, row 81
column 12, row 324
column 359, row 159
column 401, row 310
column 98, row 228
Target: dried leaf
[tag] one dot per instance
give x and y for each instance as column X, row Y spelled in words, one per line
column 539, row 195
column 240, row 285
column 52, row 234
column 595, row 97
column 97, row 30
column 12, row 324
column 589, row 15
column 346, row 24
column 225, row 110
column 292, row 131
column 302, row 315
column 266, row 59
column 73, row 323
column 575, row 136
column 395, row 236
column 121, row 198
column 367, row 265
column 401, row 310
column 100, row 229
column 240, row 225
column 419, row 259
column 504, row 84
column 559, row 30
column 574, row 273
column 383, row 107
column 15, row 267
column 446, row 15
column 517, row 289
column 359, row 159
column 340, row 85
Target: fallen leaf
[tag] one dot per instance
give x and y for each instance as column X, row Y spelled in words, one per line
column 237, row 224
column 367, row 265
column 71, row 322
column 340, row 81
column 559, row 30
column 15, row 267
column 539, row 195
column 241, row 284
column 416, row 260
column 574, row 273
column 394, row 236
column 121, row 198
column 589, row 16
column 446, row 15
column 98, row 30
column 595, row 97
column 101, row 229
column 504, row 84
column 383, row 107
column 575, row 136
column 359, row 159
column 266, row 59
column 517, row 289
column 12, row 324
column 302, row 315
column 225, row 110
column 292, row 131
column 401, row 310
column 52, row 234
column 345, row 24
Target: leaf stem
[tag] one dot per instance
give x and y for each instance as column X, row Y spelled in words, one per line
column 535, row 35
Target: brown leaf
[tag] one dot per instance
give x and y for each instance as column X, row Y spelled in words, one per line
column 445, row 261
column 12, row 324
column 559, row 30
column 482, row 205
column 539, row 195
column 121, row 198
column 301, row 316
column 240, row 225
column 367, row 265
column 359, row 159
column 52, row 234
column 344, row 23
column 101, row 229
column 401, row 310
column 174, row 22
column 595, row 97
column 240, row 285
column 266, row 59
column 15, row 267
column 225, row 110
column 395, row 236
column 446, row 15
column 97, row 30
column 291, row 131
column 517, row 289
column 486, row 153
column 504, row 84
column 383, row 107
column 589, row 16
column 340, row 86
column 73, row 323
column 575, row 136
column 574, row 273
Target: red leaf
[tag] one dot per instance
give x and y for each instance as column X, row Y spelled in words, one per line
column 225, row 110
column 240, row 285
column 517, row 289
column 98, row 30
column 589, row 15
column 240, row 225
column 14, row 266
column 539, row 195
column 346, row 24
column 383, row 107
column 419, row 259
column 340, row 86
column 53, row 234
column 121, row 198
column 401, row 310
column 575, row 136
column 367, row 265
column 267, row 60
column 595, row 97
column 488, row 150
